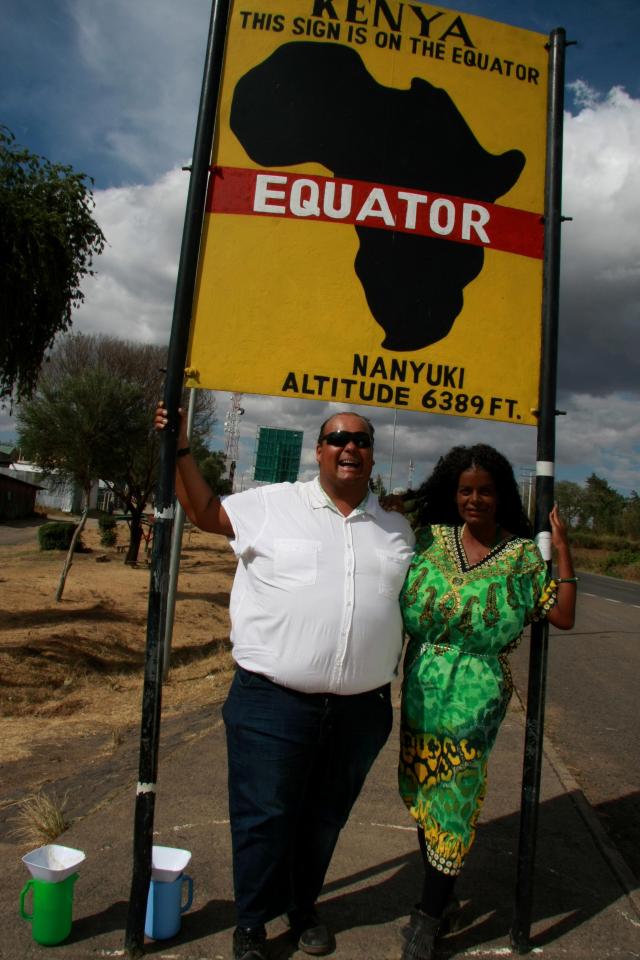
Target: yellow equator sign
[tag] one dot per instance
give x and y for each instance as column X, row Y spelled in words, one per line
column 373, row 231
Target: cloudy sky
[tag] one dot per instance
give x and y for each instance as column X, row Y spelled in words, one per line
column 111, row 87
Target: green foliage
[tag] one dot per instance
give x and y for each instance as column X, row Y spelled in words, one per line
column 621, row 562
column 588, row 540
column 48, row 239
column 597, row 510
column 602, row 506
column 57, row 536
column 631, row 516
column 570, row 499
column 212, row 466
column 108, row 530
column 81, row 427
column 622, row 558
column 120, row 446
column 377, row 486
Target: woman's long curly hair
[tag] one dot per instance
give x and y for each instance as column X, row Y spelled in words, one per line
column 437, row 495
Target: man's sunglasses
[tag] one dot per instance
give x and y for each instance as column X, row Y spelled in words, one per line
column 340, row 438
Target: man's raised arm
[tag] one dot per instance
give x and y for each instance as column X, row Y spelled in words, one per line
column 199, row 502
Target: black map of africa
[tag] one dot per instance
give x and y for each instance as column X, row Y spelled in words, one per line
column 316, row 102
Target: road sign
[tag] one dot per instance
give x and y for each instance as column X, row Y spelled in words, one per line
column 374, row 218
column 277, row 455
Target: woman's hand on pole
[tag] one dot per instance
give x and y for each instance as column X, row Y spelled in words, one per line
column 562, row 615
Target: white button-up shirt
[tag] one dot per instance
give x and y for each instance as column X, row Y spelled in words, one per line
column 314, row 604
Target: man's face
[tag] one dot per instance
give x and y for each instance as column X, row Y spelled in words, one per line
column 348, row 465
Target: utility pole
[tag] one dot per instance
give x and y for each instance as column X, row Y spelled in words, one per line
column 232, row 436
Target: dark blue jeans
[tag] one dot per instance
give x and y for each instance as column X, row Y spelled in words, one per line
column 297, row 762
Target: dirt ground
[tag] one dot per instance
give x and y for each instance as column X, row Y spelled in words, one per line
column 71, row 672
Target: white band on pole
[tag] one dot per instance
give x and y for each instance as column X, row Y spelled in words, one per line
column 545, row 468
column 146, row 788
column 543, row 540
column 166, row 514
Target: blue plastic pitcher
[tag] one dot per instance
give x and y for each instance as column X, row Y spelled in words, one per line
column 165, row 907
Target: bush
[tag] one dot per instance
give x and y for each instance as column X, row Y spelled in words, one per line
column 600, row 541
column 108, row 530
column 57, row 536
column 622, row 558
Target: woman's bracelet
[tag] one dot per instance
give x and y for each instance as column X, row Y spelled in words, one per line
column 566, row 579
column 183, row 451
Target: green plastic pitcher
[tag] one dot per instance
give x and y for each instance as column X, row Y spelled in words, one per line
column 51, row 913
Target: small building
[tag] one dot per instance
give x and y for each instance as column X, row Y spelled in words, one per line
column 54, row 493
column 17, row 497
column 8, row 454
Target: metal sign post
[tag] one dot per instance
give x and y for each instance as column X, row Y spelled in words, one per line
column 544, row 494
column 185, row 286
column 174, row 562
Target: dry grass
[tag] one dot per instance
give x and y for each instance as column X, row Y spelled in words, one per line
column 71, row 673
column 40, row 819
column 117, row 737
column 71, row 669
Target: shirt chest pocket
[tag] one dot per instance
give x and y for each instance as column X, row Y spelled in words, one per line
column 392, row 571
column 295, row 562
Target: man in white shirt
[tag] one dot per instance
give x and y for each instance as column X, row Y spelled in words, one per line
column 317, row 637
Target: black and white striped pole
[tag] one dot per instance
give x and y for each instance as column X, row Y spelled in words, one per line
column 165, row 489
column 532, row 765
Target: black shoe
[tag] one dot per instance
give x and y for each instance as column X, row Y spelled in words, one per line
column 312, row 935
column 249, row 943
column 450, row 921
column 421, row 936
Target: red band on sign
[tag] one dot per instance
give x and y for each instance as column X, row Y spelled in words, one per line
column 275, row 193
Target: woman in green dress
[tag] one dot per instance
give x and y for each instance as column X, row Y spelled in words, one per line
column 477, row 579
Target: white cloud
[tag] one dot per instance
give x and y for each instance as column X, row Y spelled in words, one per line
column 132, row 294
column 600, row 303
column 602, row 435
column 602, row 170
column 584, row 95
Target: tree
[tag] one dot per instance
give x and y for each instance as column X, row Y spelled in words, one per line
column 79, row 429
column 142, row 365
column 130, row 477
column 377, row 486
column 603, row 506
column 631, row 516
column 139, row 367
column 212, row 466
column 48, row 239
column 570, row 500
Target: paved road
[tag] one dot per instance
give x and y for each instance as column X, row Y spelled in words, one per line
column 14, row 533
column 611, row 589
column 592, row 717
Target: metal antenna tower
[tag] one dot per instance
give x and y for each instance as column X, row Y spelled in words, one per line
column 411, row 472
column 232, row 434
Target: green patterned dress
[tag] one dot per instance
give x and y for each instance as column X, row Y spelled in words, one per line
column 462, row 622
